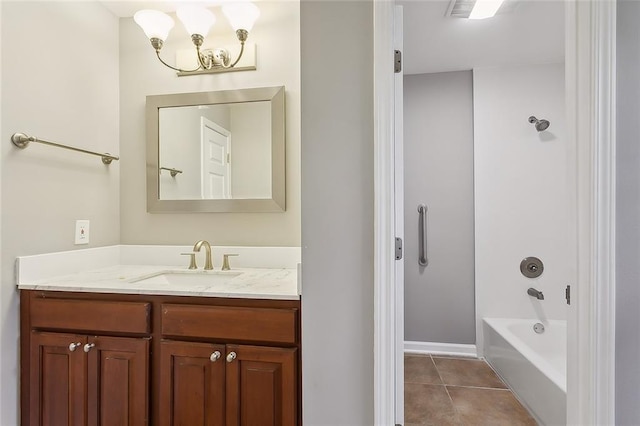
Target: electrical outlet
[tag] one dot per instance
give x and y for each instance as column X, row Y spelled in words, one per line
column 82, row 232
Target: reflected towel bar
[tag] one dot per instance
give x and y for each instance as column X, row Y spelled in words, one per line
column 22, row 141
column 172, row 171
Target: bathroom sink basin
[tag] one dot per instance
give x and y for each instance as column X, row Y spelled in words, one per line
column 189, row 278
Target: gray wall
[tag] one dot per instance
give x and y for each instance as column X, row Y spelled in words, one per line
column 628, row 215
column 337, row 212
column 66, row 92
column 438, row 171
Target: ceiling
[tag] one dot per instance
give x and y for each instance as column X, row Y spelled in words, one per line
column 126, row 8
column 531, row 32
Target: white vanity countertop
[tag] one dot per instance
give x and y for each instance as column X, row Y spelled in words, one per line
column 252, row 283
column 265, row 272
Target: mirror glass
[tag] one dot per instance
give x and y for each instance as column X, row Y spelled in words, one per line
column 216, row 151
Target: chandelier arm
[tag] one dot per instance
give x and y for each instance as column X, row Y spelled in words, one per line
column 203, row 65
column 238, row 59
column 173, row 68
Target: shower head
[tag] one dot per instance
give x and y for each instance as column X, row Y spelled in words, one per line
column 541, row 125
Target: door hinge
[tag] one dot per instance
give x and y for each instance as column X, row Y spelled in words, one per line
column 228, row 158
column 567, row 294
column 398, row 248
column 397, row 61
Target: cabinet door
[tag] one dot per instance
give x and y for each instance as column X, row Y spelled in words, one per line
column 261, row 386
column 192, row 383
column 118, row 380
column 57, row 375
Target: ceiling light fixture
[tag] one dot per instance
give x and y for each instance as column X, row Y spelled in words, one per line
column 198, row 22
column 485, row 9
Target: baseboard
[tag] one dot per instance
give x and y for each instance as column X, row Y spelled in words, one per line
column 433, row 348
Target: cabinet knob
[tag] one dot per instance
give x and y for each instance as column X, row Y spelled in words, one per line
column 231, row 356
column 89, row 346
column 215, row 356
column 73, row 346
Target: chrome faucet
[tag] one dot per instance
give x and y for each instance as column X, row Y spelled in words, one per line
column 535, row 293
column 208, row 265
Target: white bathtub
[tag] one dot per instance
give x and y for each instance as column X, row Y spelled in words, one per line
column 533, row 365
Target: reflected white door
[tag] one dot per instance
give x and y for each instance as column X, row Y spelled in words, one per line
column 216, row 161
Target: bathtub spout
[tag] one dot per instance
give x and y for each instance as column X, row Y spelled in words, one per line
column 535, row 293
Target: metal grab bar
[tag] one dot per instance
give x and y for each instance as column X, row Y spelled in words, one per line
column 22, row 141
column 171, row 171
column 422, row 235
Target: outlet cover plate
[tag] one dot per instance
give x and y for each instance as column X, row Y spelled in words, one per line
column 82, row 232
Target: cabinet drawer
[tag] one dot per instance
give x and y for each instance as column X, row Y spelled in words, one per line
column 222, row 322
column 91, row 315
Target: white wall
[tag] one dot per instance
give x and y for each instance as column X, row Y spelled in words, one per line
column 251, row 150
column 627, row 214
column 337, row 212
column 520, row 191
column 277, row 36
column 180, row 148
column 438, row 171
column 59, row 82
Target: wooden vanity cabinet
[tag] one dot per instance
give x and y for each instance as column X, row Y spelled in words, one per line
column 107, row 359
column 261, row 386
column 238, row 384
column 192, row 384
column 58, row 380
column 215, row 385
column 88, row 380
column 85, row 379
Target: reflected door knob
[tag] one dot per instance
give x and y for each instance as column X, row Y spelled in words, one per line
column 73, row 346
column 88, row 347
column 215, row 356
column 231, row 356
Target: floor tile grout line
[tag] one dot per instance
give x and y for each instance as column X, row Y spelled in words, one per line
column 456, row 411
column 473, row 360
column 453, row 406
column 479, row 387
column 418, row 381
column 437, row 371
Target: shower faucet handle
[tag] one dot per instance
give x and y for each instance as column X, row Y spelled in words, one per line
column 535, row 293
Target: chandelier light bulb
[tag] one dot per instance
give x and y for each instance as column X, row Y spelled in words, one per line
column 241, row 14
column 155, row 24
column 196, row 20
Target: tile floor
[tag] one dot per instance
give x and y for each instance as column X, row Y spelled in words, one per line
column 446, row 391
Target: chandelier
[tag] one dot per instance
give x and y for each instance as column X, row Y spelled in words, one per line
column 198, row 21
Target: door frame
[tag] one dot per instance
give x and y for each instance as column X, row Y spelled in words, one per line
column 590, row 39
column 398, row 161
column 387, row 309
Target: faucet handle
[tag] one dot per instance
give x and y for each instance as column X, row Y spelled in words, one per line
column 192, row 259
column 225, row 261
